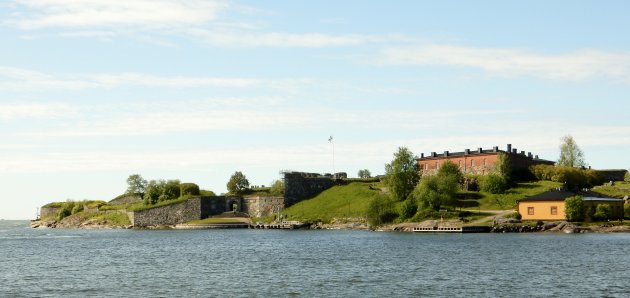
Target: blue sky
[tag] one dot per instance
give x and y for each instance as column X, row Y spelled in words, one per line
column 93, row 91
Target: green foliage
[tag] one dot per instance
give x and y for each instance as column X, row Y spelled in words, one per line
column 207, row 193
column 570, row 154
column 575, row 209
column 449, row 169
column 341, row 201
column 53, row 205
column 66, row 210
column 402, row 174
column 619, row 190
column 136, row 184
column 408, row 208
column 141, row 207
column 574, row 177
column 435, row 191
column 78, row 207
column 626, row 211
column 381, row 210
column 626, row 177
column 277, row 188
column 504, row 167
column 189, row 189
column 493, row 183
column 237, row 183
column 364, row 173
column 603, row 212
column 161, row 190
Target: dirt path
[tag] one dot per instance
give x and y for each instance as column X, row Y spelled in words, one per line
column 487, row 219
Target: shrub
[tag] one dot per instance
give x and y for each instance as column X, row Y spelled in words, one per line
column 380, row 211
column 574, row 177
column 494, row 184
column 208, row 193
column 277, row 188
column 66, row 210
column 603, row 212
column 408, row 208
column 626, row 177
column 78, row 207
column 574, row 208
column 189, row 189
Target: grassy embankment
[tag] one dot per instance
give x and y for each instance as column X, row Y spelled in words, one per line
column 619, row 190
column 351, row 201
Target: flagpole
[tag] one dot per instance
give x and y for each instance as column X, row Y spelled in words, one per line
column 332, row 142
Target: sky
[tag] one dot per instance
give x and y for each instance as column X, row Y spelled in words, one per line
column 94, row 91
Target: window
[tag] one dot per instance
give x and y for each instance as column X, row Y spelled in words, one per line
column 554, row 210
column 530, row 210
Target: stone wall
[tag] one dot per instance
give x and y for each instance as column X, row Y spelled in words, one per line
column 263, row 206
column 299, row 186
column 168, row 215
column 48, row 212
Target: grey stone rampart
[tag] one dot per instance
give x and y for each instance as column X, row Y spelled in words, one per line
column 168, row 215
column 263, row 206
column 299, row 186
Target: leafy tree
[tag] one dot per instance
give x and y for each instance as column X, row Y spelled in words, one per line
column 171, row 189
column 136, row 184
column 603, row 212
column 380, row 211
column 408, row 208
column 449, row 169
column 402, row 174
column 493, row 183
column 504, row 167
column 574, row 208
column 152, row 193
column 433, row 192
column 66, row 210
column 277, row 188
column 189, row 189
column 237, row 183
column 78, row 207
column 570, row 154
column 365, row 173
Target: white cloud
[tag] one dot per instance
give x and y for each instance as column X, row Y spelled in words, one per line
column 11, row 111
column 23, row 79
column 574, row 66
column 108, row 13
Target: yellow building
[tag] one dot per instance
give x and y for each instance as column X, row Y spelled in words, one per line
column 550, row 205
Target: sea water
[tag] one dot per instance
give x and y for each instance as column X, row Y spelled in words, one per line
column 317, row 263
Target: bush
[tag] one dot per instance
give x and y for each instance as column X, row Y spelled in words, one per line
column 78, row 207
column 494, row 184
column 574, row 208
column 66, row 210
column 380, row 211
column 603, row 212
column 189, row 189
column 626, row 177
column 408, row 208
column 208, row 193
column 277, row 189
column 574, row 177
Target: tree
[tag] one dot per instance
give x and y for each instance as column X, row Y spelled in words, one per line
column 380, row 211
column 237, row 183
column 493, row 183
column 408, row 208
column 449, row 169
column 603, row 212
column 574, row 208
column 433, row 192
column 570, row 154
column 277, row 188
column 152, row 193
column 504, row 167
column 365, row 173
column 402, row 174
column 189, row 189
column 136, row 184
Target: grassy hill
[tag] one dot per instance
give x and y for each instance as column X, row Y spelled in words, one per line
column 348, row 201
column 507, row 200
column 619, row 190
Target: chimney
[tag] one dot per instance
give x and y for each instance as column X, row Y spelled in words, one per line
column 421, row 155
column 509, row 148
column 446, row 153
column 466, row 151
column 479, row 150
column 433, row 154
column 522, row 152
column 529, row 154
column 495, row 149
column 536, row 157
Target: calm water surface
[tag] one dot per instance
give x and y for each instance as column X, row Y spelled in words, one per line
column 271, row 263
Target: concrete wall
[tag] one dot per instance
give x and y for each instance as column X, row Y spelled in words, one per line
column 299, row 186
column 263, row 206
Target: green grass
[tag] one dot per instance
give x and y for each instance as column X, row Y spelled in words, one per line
column 140, row 207
column 216, row 220
column 110, row 218
column 53, row 205
column 337, row 202
column 488, row 201
column 619, row 190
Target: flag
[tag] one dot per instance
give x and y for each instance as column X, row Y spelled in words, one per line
column 330, row 139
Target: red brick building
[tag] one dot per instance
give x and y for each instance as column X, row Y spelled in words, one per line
column 480, row 161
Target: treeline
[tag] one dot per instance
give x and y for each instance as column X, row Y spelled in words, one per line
column 575, row 178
